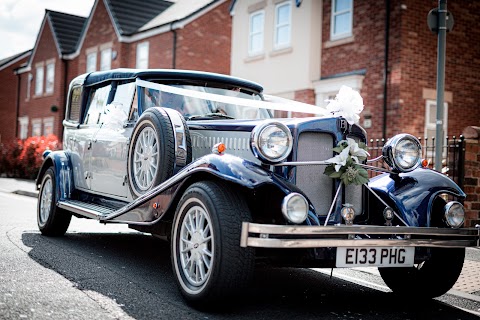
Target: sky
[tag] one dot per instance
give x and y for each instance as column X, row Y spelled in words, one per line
column 20, row 21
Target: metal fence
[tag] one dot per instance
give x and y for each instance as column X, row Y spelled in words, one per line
column 453, row 155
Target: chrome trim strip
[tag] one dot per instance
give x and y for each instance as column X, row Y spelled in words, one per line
column 322, row 243
column 451, row 237
column 316, row 163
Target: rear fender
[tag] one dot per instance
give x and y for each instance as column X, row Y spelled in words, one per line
column 412, row 194
column 62, row 166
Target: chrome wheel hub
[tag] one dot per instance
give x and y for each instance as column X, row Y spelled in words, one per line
column 145, row 159
column 46, row 200
column 196, row 246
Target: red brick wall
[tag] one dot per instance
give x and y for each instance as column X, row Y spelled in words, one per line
column 40, row 106
column 8, row 98
column 100, row 31
column 365, row 52
column 412, row 62
column 419, row 63
column 472, row 177
column 160, row 51
column 205, row 43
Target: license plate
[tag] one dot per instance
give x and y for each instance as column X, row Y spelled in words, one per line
column 375, row 257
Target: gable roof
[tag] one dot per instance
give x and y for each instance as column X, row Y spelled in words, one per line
column 130, row 15
column 66, row 29
column 4, row 63
column 182, row 9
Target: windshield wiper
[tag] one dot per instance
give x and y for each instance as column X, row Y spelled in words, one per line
column 214, row 115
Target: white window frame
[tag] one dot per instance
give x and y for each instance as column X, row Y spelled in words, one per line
column 433, row 126
column 106, row 59
column 251, row 33
column 39, row 75
column 29, row 85
column 50, row 72
column 276, row 44
column 36, row 127
column 91, row 63
column 23, row 121
column 142, row 55
column 349, row 33
column 48, row 122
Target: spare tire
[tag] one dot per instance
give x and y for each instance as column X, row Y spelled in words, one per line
column 151, row 155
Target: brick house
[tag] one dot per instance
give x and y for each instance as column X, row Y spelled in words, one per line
column 116, row 34
column 9, row 90
column 307, row 49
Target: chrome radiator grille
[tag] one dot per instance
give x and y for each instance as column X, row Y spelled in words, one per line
column 316, row 146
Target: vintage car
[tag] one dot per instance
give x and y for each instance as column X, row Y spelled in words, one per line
column 197, row 158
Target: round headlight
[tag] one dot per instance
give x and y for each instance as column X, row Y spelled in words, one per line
column 295, row 208
column 271, row 142
column 454, row 214
column 403, row 153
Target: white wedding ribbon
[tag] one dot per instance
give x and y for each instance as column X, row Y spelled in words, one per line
column 270, row 102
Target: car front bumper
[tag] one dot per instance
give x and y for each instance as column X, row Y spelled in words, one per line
column 277, row 236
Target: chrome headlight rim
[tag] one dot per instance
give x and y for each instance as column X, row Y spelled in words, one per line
column 449, row 215
column 286, row 201
column 255, row 145
column 391, row 153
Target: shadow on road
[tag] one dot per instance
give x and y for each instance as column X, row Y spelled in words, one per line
column 134, row 270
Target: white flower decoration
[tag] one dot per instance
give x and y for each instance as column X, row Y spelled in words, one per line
column 339, row 160
column 352, row 150
column 347, row 104
column 355, row 150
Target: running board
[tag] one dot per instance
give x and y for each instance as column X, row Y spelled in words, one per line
column 88, row 210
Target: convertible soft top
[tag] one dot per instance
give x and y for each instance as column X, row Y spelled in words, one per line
column 97, row 77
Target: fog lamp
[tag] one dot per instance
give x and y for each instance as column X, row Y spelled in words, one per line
column 348, row 213
column 454, row 214
column 295, row 208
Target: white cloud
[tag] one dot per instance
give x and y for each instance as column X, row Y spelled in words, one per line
column 20, row 21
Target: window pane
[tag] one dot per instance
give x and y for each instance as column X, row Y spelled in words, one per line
column 341, row 5
column 142, row 56
column 75, row 104
column 283, row 14
column 257, row 22
column 97, row 102
column 36, row 127
column 343, row 23
column 92, row 62
column 124, row 96
column 39, row 81
column 106, row 59
column 283, row 35
column 47, row 127
column 50, row 78
column 256, row 43
column 432, row 116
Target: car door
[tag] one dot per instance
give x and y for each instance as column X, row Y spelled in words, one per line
column 83, row 139
column 110, row 144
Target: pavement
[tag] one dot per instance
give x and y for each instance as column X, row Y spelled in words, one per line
column 467, row 285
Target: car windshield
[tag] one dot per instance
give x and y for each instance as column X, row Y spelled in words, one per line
column 193, row 106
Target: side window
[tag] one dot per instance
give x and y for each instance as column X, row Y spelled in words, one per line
column 116, row 113
column 75, row 104
column 98, row 100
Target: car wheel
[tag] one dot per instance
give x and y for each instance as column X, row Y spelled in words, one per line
column 207, row 259
column 428, row 279
column 51, row 220
column 151, row 156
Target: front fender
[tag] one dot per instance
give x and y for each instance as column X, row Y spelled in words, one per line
column 62, row 166
column 225, row 167
column 412, row 193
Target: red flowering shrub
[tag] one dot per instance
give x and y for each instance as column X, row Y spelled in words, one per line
column 23, row 158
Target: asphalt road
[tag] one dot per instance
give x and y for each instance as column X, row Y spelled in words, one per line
column 111, row 272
